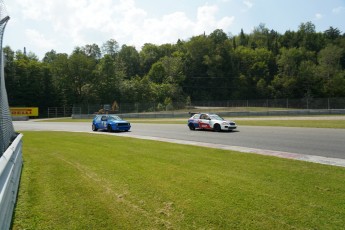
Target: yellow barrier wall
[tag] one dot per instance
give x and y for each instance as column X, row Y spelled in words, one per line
column 24, row 111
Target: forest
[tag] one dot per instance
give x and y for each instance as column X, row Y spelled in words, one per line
column 262, row 64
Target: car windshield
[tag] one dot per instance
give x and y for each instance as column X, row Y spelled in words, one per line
column 216, row 117
column 111, row 118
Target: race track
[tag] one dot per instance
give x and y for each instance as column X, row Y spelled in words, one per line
column 311, row 144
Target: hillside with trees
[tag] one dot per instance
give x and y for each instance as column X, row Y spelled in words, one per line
column 263, row 64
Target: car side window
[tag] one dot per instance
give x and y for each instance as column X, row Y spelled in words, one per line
column 104, row 118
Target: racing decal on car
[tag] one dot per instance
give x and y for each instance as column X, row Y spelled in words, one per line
column 204, row 125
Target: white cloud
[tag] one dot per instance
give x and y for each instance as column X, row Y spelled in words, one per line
column 38, row 40
column 207, row 21
column 64, row 24
column 248, row 4
column 318, row 16
column 338, row 10
column 225, row 22
column 36, row 10
column 162, row 30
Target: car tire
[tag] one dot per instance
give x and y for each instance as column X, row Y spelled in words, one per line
column 191, row 126
column 109, row 129
column 217, row 128
column 94, row 128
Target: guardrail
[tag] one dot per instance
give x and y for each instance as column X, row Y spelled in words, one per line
column 11, row 164
column 305, row 112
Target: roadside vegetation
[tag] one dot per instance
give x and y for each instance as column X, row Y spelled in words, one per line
column 334, row 124
column 89, row 181
column 260, row 64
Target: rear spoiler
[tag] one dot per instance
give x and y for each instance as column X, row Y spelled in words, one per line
column 192, row 113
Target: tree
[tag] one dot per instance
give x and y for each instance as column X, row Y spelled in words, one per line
column 196, row 83
column 131, row 60
column 218, row 36
column 254, row 65
column 49, row 57
column 308, row 38
column 157, row 73
column 110, row 47
column 243, row 40
column 10, row 73
column 80, row 68
column 260, row 36
column 149, row 54
column 61, row 82
column 174, row 68
column 109, row 77
column 310, row 84
column 332, row 33
column 329, row 67
column 92, row 51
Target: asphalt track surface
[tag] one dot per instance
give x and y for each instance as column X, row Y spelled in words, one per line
column 325, row 146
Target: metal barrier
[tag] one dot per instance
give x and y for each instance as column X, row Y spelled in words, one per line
column 266, row 105
column 10, row 170
column 54, row 112
column 186, row 115
column 11, row 160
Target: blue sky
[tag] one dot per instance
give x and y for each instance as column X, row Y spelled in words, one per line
column 43, row 25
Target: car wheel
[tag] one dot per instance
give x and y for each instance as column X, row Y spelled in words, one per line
column 217, row 128
column 109, row 128
column 191, row 126
column 94, row 128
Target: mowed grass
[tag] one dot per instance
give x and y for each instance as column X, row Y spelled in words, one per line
column 90, row 181
column 334, row 124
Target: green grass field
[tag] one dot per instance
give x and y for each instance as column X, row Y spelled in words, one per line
column 89, row 181
column 334, row 124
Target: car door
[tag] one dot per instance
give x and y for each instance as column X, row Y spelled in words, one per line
column 204, row 121
column 104, row 120
column 196, row 120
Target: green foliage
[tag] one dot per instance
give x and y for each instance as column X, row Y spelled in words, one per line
column 261, row 64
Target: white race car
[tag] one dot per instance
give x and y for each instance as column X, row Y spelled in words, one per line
column 210, row 121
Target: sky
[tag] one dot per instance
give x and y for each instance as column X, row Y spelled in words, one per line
column 62, row 25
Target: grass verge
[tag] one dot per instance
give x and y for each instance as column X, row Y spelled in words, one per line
column 89, row 181
column 334, row 124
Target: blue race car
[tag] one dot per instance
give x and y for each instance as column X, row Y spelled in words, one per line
column 110, row 123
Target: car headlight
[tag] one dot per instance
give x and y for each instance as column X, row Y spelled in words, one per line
column 225, row 123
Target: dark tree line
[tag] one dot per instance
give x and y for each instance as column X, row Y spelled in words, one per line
column 261, row 64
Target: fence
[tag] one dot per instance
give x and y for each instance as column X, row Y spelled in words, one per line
column 241, row 107
column 59, row 112
column 10, row 144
